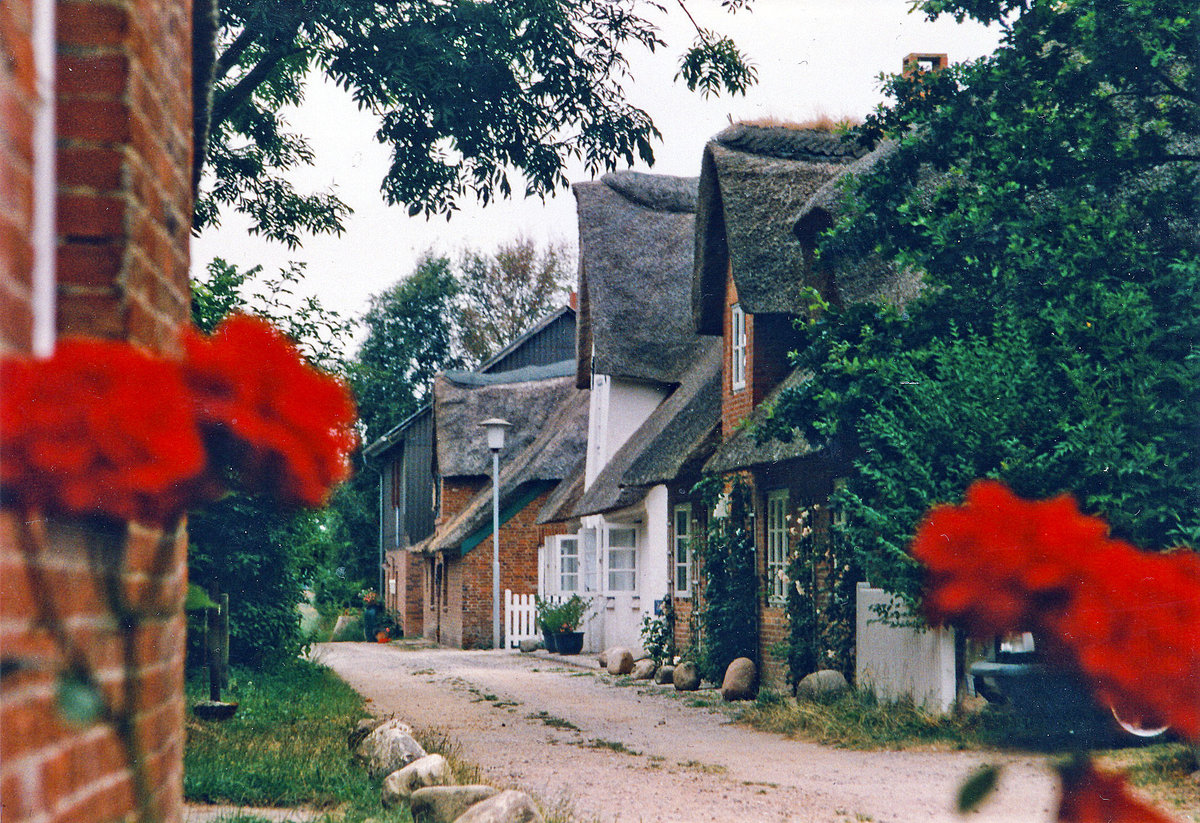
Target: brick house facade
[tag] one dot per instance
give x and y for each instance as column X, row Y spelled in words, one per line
column 108, row 161
column 545, row 442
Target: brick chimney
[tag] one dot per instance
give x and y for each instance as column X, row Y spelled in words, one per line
column 922, row 63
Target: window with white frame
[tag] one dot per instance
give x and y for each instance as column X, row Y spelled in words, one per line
column 737, row 342
column 683, row 550
column 777, row 541
column 839, row 515
column 568, row 564
column 622, row 560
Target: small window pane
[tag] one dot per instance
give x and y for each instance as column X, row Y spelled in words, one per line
column 622, row 560
column 568, row 564
column 683, row 535
column 777, row 542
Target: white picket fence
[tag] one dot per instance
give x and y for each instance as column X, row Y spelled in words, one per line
column 520, row 618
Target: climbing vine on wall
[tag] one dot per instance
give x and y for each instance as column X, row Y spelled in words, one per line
column 729, row 617
column 820, row 598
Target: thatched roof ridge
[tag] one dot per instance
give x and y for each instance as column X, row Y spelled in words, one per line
column 552, row 456
column 525, row 374
column 635, row 263
column 458, row 410
column 753, row 182
column 742, row 451
column 664, row 442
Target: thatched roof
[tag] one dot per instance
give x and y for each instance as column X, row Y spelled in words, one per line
column 683, row 432
column 859, row 274
column 753, row 182
column 666, row 443
column 742, row 451
column 561, row 503
column 537, row 466
column 463, row 399
column 635, row 262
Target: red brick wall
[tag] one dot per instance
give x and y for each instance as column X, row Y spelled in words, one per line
column 406, row 577
column 769, row 338
column 735, row 405
column 17, row 112
column 124, row 198
column 123, row 216
column 520, row 539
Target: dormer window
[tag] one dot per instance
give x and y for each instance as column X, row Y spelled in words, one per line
column 737, row 343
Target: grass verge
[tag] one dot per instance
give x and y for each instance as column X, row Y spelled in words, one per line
column 856, row 720
column 286, row 746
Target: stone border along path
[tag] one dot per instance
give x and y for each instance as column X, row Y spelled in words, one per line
column 580, row 740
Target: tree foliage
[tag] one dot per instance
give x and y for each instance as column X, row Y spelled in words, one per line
column 467, row 92
column 502, row 293
column 1048, row 194
column 242, row 545
column 410, row 338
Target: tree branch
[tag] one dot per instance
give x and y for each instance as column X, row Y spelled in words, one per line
column 232, row 54
column 244, row 88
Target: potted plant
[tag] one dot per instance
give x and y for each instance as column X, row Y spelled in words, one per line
column 559, row 621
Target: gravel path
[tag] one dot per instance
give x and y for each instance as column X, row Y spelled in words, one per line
column 645, row 753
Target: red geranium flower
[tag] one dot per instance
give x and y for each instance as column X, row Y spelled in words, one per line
column 1129, row 621
column 285, row 427
column 1092, row 796
column 101, row 428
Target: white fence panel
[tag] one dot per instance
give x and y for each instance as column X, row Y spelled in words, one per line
column 520, row 618
column 901, row 662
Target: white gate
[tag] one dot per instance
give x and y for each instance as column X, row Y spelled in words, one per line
column 520, row 618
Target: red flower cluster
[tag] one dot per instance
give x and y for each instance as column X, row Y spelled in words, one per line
column 98, row 429
column 1129, row 621
column 105, row 429
column 286, row 427
column 1093, row 796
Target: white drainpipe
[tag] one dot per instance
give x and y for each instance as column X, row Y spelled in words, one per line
column 44, row 181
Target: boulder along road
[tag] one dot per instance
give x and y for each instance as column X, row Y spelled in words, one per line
column 608, row 749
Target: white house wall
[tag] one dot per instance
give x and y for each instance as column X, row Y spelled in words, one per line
column 618, row 409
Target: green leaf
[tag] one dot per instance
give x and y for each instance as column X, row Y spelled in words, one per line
column 197, row 598
column 79, row 701
column 977, row 787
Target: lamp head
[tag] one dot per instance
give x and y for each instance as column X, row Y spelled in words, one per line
column 495, row 432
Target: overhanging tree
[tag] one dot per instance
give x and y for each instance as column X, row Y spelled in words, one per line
column 1049, row 193
column 466, row 90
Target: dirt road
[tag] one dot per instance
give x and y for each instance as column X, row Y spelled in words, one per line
column 647, row 753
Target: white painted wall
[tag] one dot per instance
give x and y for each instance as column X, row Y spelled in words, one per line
column 898, row 662
column 618, row 408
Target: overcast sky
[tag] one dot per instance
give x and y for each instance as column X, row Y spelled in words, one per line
column 813, row 57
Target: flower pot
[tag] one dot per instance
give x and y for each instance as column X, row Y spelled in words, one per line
column 370, row 621
column 550, row 640
column 568, row 642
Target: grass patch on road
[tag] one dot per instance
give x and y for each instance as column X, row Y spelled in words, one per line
column 612, row 745
column 554, row 722
column 857, row 720
column 286, row 746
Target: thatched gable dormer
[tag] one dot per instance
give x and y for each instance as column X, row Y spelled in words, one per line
column 754, row 180
column 635, row 261
column 854, row 274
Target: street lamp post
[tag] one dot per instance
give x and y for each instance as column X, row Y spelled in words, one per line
column 495, row 440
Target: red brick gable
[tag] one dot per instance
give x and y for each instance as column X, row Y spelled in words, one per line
column 769, row 338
